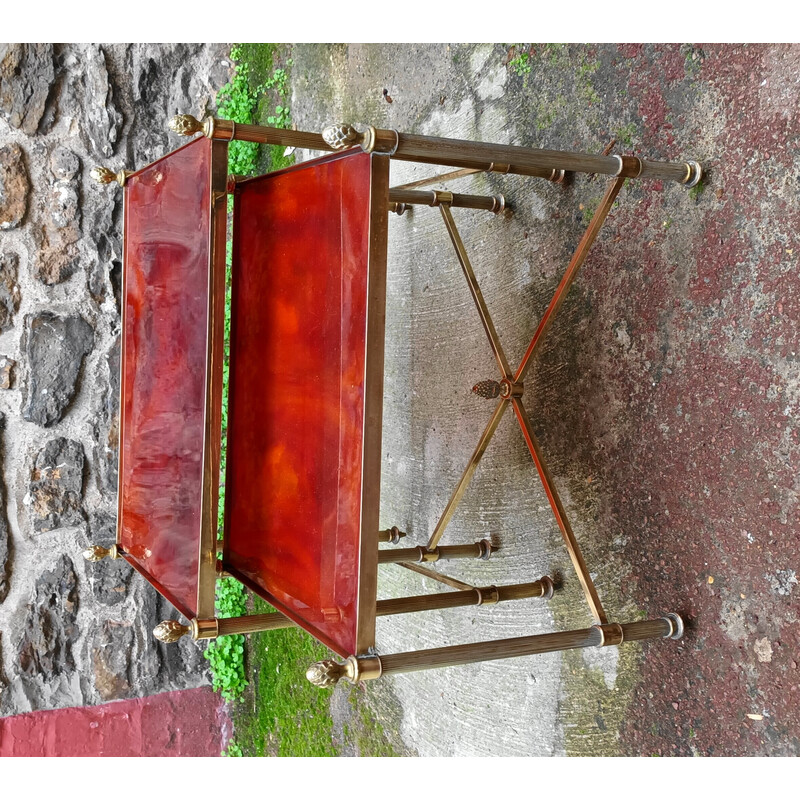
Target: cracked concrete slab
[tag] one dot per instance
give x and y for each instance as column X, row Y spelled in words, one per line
column 665, row 394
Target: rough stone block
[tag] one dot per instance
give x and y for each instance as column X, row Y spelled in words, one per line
column 9, row 289
column 26, row 77
column 55, row 349
column 14, row 187
column 56, row 487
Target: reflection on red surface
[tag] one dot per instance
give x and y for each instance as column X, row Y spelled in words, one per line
column 293, row 488
column 167, row 218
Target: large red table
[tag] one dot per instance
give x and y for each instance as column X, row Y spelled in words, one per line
column 305, row 376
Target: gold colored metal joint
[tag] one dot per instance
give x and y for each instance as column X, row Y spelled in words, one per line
column 104, row 175
column 205, row 629
column 487, row 389
column 488, row 596
column 398, row 208
column 557, row 176
column 97, row 553
column 611, row 632
column 508, row 389
column 694, row 174
column 548, row 586
column 503, row 169
column 440, row 197
column 677, row 627
column 187, row 125
column 485, row 549
column 498, row 203
column 327, row 673
column 428, row 556
column 170, row 631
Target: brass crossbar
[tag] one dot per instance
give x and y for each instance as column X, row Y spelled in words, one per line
column 512, row 391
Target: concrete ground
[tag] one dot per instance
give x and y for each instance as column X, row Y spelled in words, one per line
column 665, row 396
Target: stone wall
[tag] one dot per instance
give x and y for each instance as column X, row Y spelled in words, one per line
column 73, row 633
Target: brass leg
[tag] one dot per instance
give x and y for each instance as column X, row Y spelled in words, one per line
column 358, row 668
column 482, row 549
column 494, row 203
column 485, row 595
column 171, row 630
column 482, row 156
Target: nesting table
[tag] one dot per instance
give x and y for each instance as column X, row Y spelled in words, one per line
column 304, row 411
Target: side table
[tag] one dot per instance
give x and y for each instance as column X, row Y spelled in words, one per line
column 304, row 415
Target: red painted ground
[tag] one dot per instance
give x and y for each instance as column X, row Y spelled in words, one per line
column 193, row 722
column 700, row 397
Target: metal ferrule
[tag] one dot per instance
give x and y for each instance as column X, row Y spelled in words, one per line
column 611, row 633
column 508, row 389
column 487, row 595
column 204, row 629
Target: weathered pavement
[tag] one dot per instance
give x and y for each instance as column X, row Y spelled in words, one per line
column 665, row 397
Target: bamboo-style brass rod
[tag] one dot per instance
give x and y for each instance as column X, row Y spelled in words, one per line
column 470, row 597
column 495, row 203
column 482, row 156
column 358, row 668
column 474, row 460
column 457, row 655
column 255, row 623
column 421, row 555
column 560, row 514
column 576, row 262
column 442, row 178
column 477, row 295
column 436, row 576
column 528, row 160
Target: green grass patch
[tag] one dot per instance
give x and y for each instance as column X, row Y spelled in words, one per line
column 282, row 714
column 253, row 87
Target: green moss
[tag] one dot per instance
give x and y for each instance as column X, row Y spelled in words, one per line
column 696, row 191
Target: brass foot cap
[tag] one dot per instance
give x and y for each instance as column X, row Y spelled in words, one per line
column 678, row 627
column 549, row 586
column 694, row 174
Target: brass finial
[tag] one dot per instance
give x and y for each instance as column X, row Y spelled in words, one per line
column 341, row 136
column 326, row 673
column 104, row 175
column 170, row 631
column 488, row 389
column 187, row 125
column 97, row 553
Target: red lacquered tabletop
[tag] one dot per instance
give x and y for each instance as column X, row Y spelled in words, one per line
column 306, row 386
column 171, row 372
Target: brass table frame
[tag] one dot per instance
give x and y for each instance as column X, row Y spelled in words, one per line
column 468, row 158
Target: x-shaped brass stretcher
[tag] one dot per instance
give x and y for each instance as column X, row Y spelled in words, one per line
column 510, row 389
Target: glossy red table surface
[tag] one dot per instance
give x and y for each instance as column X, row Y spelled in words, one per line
column 306, row 382
column 164, row 409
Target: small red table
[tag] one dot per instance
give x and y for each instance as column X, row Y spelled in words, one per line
column 303, row 417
